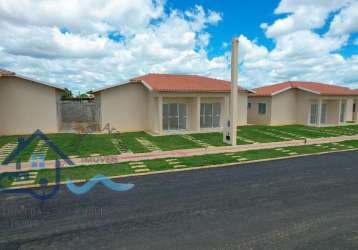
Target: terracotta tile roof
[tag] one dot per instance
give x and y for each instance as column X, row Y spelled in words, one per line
column 184, row 83
column 318, row 88
column 4, row 72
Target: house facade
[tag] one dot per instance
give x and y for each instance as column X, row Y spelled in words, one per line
column 27, row 105
column 306, row 103
column 165, row 104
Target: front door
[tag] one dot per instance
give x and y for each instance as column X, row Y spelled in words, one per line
column 174, row 116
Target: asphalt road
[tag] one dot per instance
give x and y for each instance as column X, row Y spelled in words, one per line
column 302, row 203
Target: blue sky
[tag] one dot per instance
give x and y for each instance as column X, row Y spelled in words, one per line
column 87, row 44
column 239, row 17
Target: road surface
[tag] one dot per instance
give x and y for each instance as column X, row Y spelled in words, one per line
column 302, row 203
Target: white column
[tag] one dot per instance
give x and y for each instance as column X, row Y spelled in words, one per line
column 160, row 115
column 197, row 118
column 319, row 112
column 234, row 90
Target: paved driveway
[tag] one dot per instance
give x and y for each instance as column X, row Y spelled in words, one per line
column 303, row 203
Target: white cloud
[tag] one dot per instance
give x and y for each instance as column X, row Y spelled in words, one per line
column 68, row 42
column 346, row 21
column 302, row 54
column 302, row 15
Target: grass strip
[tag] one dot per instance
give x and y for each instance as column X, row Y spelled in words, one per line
column 88, row 172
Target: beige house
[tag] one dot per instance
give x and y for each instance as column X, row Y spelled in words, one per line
column 27, row 105
column 306, row 103
column 163, row 103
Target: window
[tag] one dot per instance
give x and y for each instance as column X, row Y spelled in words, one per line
column 354, row 108
column 261, row 108
column 249, row 105
column 174, row 116
column 314, row 113
column 210, row 115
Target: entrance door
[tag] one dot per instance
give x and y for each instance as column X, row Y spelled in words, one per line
column 174, row 116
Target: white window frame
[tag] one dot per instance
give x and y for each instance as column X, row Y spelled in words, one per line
column 258, row 108
column 212, row 114
column 326, row 114
column 178, row 125
column 309, row 114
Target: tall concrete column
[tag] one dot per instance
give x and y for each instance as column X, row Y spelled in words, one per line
column 197, row 117
column 234, row 90
column 160, row 115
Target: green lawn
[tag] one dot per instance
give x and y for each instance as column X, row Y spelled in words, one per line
column 88, row 172
column 86, row 145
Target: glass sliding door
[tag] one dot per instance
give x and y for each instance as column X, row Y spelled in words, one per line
column 210, row 115
column 174, row 116
column 216, row 115
column 182, row 116
column 314, row 113
column 324, row 113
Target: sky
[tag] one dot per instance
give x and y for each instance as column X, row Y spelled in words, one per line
column 87, row 44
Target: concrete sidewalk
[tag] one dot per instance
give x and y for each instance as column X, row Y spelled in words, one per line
column 110, row 159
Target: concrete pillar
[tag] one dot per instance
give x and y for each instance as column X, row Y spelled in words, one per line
column 197, row 116
column 234, row 90
column 160, row 115
column 319, row 112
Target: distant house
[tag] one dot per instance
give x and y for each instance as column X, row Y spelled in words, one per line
column 307, row 103
column 165, row 103
column 27, row 105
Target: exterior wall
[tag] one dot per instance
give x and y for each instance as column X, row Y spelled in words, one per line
column 349, row 112
column 125, row 107
column 152, row 113
column 252, row 114
column 26, row 106
column 333, row 111
column 283, row 109
column 242, row 109
column 355, row 114
column 294, row 107
column 303, row 106
column 132, row 107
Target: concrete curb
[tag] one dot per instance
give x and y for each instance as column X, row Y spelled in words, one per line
column 190, row 169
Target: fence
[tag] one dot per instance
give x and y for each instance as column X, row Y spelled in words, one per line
column 79, row 116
